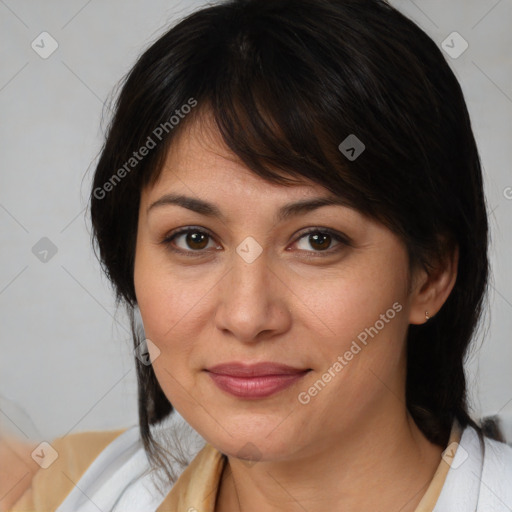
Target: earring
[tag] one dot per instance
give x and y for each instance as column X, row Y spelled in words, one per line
column 427, row 316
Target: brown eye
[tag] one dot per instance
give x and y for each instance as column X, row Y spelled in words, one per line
column 320, row 240
column 188, row 241
column 196, row 240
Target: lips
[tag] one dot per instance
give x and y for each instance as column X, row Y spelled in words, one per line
column 254, row 381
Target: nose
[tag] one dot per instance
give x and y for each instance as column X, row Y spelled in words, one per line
column 252, row 301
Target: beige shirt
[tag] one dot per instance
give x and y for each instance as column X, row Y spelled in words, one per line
column 196, row 488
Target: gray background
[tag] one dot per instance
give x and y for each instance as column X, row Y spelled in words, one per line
column 66, row 361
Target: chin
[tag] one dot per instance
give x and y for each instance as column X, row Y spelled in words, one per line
column 252, row 438
column 252, row 450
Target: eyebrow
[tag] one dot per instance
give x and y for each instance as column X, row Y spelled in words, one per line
column 211, row 210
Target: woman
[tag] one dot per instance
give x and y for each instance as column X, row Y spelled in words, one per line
column 279, row 196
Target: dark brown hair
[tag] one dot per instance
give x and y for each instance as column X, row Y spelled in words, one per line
column 286, row 82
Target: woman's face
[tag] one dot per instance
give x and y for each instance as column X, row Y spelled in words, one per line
column 247, row 286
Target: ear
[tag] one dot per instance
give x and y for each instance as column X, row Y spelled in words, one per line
column 431, row 288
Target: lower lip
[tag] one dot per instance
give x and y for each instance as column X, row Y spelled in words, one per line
column 255, row 387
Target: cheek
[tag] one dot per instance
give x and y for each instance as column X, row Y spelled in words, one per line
column 152, row 291
column 364, row 313
column 173, row 304
column 357, row 298
column 359, row 363
column 164, row 306
column 163, row 301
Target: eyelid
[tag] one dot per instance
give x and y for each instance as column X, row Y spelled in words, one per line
column 341, row 237
column 184, row 230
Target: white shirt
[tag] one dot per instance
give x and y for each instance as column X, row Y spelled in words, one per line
column 121, row 480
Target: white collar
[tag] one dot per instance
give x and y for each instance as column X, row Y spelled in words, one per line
column 480, row 477
column 121, row 480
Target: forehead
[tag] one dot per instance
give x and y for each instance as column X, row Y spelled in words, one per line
column 200, row 173
column 199, row 162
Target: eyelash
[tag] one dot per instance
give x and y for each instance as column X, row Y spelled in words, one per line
column 342, row 239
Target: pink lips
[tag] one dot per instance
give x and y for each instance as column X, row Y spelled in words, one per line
column 254, row 381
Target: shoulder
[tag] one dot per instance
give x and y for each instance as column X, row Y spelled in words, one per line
column 498, row 456
column 123, row 478
column 62, row 461
column 496, row 480
column 479, row 477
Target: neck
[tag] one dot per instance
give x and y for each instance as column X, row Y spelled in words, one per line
column 388, row 462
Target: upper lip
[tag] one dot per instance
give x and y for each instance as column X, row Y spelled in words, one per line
column 237, row 369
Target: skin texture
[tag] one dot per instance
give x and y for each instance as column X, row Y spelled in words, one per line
column 17, row 468
column 353, row 446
